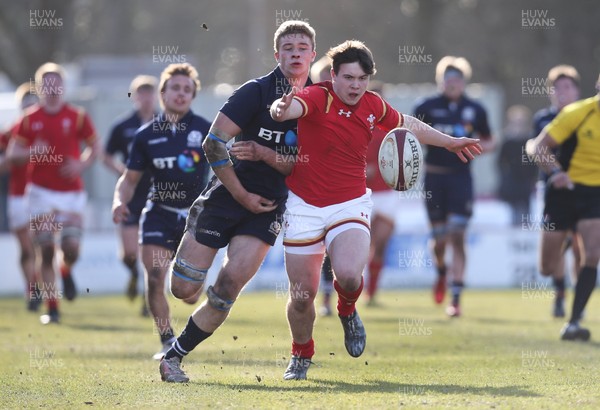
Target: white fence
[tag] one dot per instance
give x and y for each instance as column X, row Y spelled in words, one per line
column 498, row 256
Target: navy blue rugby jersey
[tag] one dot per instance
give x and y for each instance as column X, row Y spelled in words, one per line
column 122, row 134
column 465, row 118
column 542, row 118
column 563, row 152
column 248, row 107
column 173, row 156
column 120, row 142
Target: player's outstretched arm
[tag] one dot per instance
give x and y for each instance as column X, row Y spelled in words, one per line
column 488, row 145
column 222, row 130
column 112, row 163
column 124, row 193
column 253, row 151
column 286, row 108
column 465, row 148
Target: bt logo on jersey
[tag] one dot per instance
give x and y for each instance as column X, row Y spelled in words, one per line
column 270, row 135
column 162, row 163
column 290, row 137
column 186, row 161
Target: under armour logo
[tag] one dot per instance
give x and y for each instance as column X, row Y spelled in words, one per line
column 346, row 113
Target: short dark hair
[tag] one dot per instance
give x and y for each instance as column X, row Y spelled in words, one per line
column 294, row 27
column 352, row 51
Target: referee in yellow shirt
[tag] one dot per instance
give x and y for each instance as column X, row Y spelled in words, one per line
column 581, row 121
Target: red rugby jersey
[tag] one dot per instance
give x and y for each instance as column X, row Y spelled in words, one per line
column 332, row 144
column 18, row 173
column 52, row 139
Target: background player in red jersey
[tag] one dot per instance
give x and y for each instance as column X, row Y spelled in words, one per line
column 386, row 203
column 329, row 202
column 18, row 214
column 143, row 93
column 50, row 135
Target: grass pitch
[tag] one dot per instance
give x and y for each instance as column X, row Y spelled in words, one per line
column 504, row 352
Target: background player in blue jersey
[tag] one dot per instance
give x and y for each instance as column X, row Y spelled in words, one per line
column 517, row 175
column 143, row 93
column 563, row 83
column 447, row 179
column 170, row 148
column 243, row 205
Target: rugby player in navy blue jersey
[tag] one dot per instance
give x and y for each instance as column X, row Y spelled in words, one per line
column 170, row 149
column 243, row 205
column 143, row 93
column 563, row 83
column 448, row 179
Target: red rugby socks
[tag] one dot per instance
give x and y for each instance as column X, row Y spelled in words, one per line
column 305, row 350
column 347, row 299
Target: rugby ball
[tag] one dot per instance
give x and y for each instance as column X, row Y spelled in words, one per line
column 400, row 159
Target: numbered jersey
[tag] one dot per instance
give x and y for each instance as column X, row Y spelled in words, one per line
column 248, row 107
column 172, row 154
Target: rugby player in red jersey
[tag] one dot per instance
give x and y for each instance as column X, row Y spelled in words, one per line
column 49, row 135
column 329, row 204
column 17, row 210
